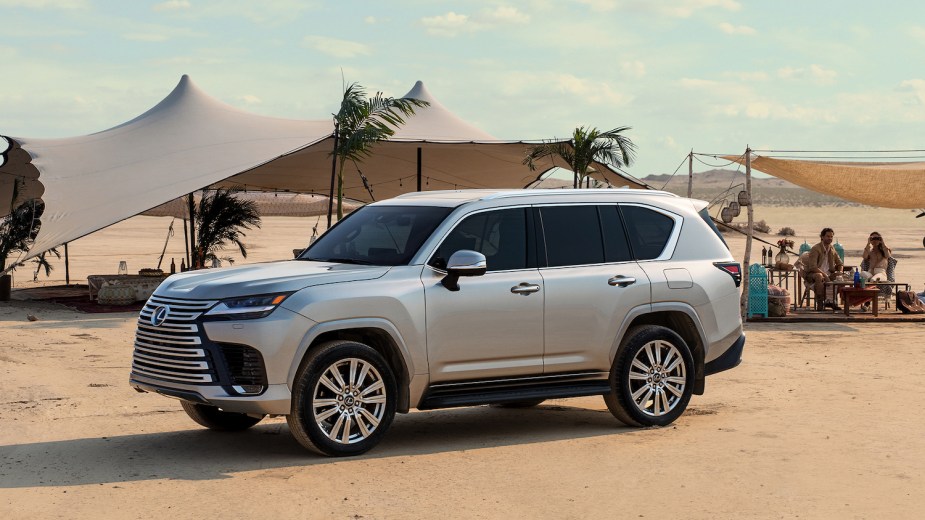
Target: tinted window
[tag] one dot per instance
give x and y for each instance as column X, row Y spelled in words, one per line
column 616, row 247
column 377, row 235
column 709, row 220
column 648, row 231
column 573, row 235
column 499, row 235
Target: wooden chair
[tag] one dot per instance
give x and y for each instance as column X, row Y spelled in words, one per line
column 809, row 295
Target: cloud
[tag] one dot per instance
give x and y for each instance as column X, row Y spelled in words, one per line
column 449, row 24
column 336, row 47
column 814, row 73
column 594, row 92
column 687, row 8
column 145, row 37
column 250, row 99
column 754, row 76
column 453, row 24
column 171, row 5
column 45, row 4
column 744, row 30
column 371, row 20
column 916, row 86
column 635, row 69
column 672, row 8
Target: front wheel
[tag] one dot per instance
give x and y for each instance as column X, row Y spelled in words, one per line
column 344, row 399
column 216, row 419
column 652, row 378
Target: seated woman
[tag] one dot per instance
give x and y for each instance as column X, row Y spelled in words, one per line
column 877, row 256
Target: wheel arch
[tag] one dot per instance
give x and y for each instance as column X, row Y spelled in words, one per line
column 680, row 318
column 378, row 334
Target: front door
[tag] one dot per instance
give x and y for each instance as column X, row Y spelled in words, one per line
column 485, row 329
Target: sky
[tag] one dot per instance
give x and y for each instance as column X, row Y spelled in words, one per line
column 712, row 76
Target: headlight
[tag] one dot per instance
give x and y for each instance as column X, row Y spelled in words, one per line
column 246, row 307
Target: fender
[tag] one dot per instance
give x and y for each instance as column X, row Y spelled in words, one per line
column 649, row 309
column 352, row 323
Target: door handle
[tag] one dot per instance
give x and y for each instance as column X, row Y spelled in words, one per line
column 621, row 281
column 525, row 288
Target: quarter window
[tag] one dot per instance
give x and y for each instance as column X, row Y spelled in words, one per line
column 616, row 247
column 648, row 231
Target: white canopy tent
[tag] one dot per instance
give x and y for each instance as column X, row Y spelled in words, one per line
column 190, row 141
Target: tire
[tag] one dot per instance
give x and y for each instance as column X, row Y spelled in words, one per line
column 652, row 378
column 214, row 418
column 527, row 403
column 343, row 401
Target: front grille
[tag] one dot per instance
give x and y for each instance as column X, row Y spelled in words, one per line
column 173, row 350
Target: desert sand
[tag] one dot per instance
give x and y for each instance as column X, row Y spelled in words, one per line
column 817, row 422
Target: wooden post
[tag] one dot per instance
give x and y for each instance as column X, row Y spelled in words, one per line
column 333, row 175
column 420, row 168
column 690, row 174
column 67, row 267
column 192, row 232
column 748, row 240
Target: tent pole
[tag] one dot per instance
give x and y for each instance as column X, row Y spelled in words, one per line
column 186, row 241
column 192, row 232
column 419, row 168
column 690, row 174
column 67, row 267
column 748, row 241
column 333, row 175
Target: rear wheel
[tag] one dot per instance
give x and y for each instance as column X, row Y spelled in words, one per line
column 652, row 378
column 344, row 399
column 216, row 419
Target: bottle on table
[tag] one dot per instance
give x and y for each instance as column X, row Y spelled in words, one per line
column 173, row 266
column 764, row 256
column 857, row 278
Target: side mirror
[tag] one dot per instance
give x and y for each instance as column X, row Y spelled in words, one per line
column 463, row 263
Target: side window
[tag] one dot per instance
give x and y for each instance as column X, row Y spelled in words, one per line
column 499, row 235
column 616, row 247
column 648, row 231
column 573, row 235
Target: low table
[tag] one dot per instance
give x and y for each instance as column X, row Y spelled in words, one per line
column 143, row 286
column 856, row 295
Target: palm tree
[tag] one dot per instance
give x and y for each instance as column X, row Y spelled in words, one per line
column 586, row 146
column 360, row 123
column 17, row 233
column 221, row 219
column 19, row 229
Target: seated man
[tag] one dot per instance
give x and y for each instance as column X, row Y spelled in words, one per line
column 821, row 265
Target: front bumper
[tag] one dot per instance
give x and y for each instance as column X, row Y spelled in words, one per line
column 274, row 401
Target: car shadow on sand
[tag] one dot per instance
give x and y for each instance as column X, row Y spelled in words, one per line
column 206, row 455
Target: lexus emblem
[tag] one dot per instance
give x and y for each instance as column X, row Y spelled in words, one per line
column 159, row 316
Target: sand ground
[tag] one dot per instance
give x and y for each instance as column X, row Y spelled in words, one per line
column 815, row 423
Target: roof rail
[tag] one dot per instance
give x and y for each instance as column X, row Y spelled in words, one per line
column 568, row 191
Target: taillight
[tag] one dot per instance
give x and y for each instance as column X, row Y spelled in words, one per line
column 733, row 269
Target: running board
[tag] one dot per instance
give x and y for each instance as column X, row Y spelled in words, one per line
column 451, row 395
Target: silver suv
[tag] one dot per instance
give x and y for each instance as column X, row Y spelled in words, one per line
column 454, row 298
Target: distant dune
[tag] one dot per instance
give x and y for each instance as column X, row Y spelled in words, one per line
column 768, row 191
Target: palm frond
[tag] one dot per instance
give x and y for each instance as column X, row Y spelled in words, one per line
column 222, row 219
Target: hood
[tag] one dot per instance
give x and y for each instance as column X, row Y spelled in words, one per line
column 264, row 278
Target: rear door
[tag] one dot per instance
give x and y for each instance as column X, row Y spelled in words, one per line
column 591, row 283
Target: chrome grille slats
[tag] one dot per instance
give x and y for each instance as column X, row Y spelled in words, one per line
column 172, row 351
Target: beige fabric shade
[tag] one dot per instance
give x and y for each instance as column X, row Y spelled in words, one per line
column 190, row 141
column 882, row 184
column 268, row 205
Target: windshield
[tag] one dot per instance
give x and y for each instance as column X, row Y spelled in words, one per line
column 377, row 235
